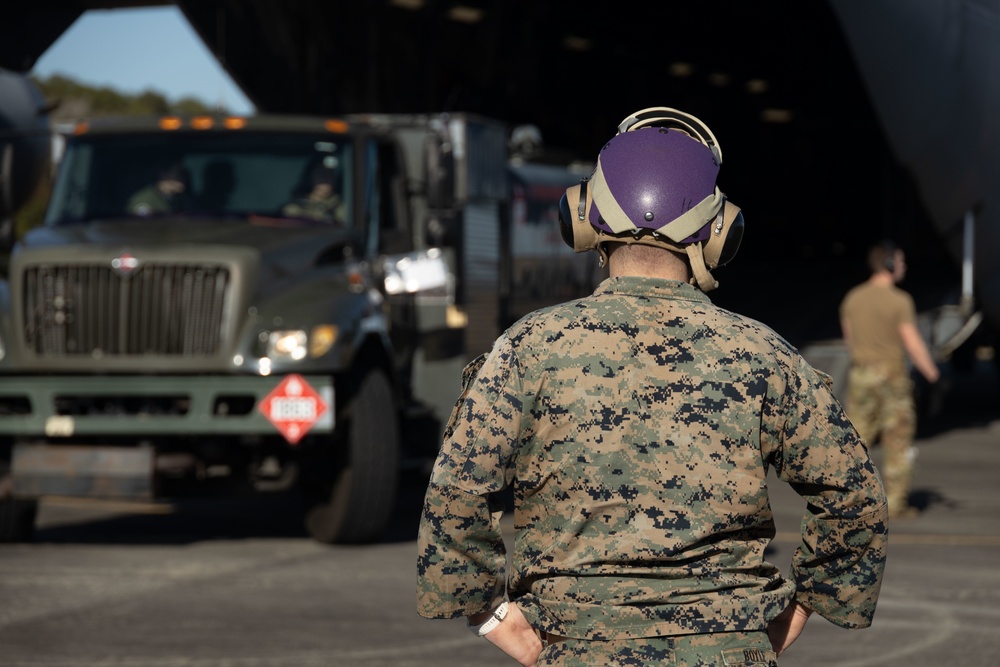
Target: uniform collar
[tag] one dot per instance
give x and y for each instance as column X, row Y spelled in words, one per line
column 657, row 288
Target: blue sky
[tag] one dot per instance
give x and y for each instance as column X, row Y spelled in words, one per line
column 133, row 50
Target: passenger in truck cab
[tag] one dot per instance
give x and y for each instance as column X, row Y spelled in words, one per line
column 320, row 200
column 169, row 193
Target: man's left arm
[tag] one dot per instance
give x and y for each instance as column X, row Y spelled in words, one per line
column 839, row 566
column 514, row 636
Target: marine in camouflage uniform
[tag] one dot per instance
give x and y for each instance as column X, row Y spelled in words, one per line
column 167, row 195
column 321, row 202
column 879, row 325
column 636, row 428
column 326, row 209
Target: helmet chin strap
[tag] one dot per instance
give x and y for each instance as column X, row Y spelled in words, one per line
column 602, row 252
column 701, row 275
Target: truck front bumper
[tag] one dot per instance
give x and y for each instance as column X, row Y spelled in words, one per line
column 203, row 405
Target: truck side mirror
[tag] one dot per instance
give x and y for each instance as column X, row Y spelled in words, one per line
column 442, row 231
column 6, row 199
column 439, row 170
column 421, row 272
column 6, row 181
column 6, row 235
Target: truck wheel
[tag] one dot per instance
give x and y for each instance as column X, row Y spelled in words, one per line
column 17, row 519
column 357, row 506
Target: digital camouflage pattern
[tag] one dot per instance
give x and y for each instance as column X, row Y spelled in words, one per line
column 150, row 201
column 880, row 404
column 327, row 209
column 637, row 427
column 733, row 649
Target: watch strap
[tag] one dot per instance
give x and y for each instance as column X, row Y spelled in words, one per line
column 492, row 622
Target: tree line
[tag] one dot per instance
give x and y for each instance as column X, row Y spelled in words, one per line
column 73, row 100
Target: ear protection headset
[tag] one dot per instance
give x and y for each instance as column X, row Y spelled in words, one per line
column 882, row 256
column 890, row 255
column 637, row 196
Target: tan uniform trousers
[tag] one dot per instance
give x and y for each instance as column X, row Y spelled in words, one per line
column 880, row 405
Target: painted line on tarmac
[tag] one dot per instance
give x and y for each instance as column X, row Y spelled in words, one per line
column 129, row 506
column 332, row 656
column 913, row 538
column 940, row 630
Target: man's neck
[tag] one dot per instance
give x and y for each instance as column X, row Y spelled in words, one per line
column 666, row 265
column 882, row 279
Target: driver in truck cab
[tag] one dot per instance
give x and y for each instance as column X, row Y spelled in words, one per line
column 168, row 194
column 321, row 200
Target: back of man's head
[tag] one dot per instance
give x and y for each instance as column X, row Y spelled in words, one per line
column 882, row 256
column 655, row 184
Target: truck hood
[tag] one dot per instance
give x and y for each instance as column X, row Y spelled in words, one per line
column 285, row 246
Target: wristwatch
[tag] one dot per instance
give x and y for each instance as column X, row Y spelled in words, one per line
column 492, row 622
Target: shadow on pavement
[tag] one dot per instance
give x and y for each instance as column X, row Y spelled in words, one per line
column 190, row 520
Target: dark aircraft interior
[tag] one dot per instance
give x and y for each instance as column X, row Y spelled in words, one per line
column 820, row 154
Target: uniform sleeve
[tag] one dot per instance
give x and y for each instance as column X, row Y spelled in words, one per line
column 907, row 309
column 838, row 568
column 460, row 551
column 843, row 309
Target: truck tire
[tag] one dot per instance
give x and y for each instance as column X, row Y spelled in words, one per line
column 17, row 519
column 355, row 508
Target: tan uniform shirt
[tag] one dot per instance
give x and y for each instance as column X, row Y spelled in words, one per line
column 873, row 313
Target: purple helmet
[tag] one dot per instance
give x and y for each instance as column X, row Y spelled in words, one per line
column 656, row 179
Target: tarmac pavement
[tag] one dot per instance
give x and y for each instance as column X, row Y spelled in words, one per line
column 237, row 583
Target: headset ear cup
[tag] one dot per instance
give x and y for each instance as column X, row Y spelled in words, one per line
column 725, row 236
column 566, row 215
column 578, row 234
column 890, row 256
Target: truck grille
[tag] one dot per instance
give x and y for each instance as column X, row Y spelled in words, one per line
column 159, row 309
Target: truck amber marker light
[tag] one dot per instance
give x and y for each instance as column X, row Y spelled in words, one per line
column 338, row 126
column 202, row 122
column 170, row 123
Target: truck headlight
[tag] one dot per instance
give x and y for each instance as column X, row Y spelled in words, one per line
column 321, row 339
column 296, row 344
column 287, row 345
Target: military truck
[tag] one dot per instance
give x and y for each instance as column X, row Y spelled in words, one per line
column 268, row 302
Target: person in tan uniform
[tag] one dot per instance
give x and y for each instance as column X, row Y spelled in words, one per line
column 878, row 320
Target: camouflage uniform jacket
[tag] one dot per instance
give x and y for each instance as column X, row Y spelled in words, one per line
column 636, row 427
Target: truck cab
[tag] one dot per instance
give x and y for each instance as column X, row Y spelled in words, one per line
column 278, row 301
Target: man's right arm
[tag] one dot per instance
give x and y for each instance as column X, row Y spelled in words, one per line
column 461, row 553
column 917, row 350
column 787, row 627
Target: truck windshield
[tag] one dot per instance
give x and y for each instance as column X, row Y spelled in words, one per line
column 296, row 177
